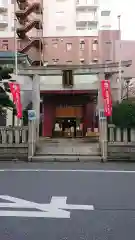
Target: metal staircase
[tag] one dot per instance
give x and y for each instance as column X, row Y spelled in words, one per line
column 30, row 29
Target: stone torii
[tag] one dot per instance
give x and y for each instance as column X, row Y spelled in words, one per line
column 104, row 71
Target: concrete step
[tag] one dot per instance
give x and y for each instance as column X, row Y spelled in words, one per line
column 67, row 147
column 68, row 154
column 65, row 158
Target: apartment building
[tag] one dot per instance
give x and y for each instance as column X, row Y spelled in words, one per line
column 6, row 19
column 63, row 34
column 75, row 17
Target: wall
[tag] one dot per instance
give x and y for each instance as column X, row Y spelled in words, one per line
column 105, row 20
column 7, row 31
column 107, row 45
column 14, row 143
column 66, row 20
column 56, row 49
column 126, row 52
column 60, row 20
column 81, row 82
column 121, row 152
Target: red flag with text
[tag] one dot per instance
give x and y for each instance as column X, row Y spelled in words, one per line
column 106, row 94
column 15, row 91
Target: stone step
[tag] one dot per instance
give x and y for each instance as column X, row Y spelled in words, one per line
column 66, row 158
column 67, row 151
column 69, row 154
column 73, row 147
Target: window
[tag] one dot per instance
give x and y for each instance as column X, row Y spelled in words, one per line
column 55, row 39
column 55, row 60
column 95, row 60
column 60, row 28
column 5, row 46
column 5, row 41
column 94, row 46
column 45, row 63
column 105, row 13
column 60, row 13
column 45, row 45
column 82, row 45
column 69, row 62
column 55, row 45
column 3, row 29
column 108, row 60
column 67, row 78
column 108, row 42
column 82, row 60
column 69, row 46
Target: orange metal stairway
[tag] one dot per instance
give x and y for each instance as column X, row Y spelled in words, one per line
column 34, row 42
column 23, row 30
column 35, row 7
column 26, row 8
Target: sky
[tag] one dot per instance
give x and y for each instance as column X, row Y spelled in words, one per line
column 125, row 8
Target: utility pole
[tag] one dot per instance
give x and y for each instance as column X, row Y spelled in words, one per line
column 15, row 40
column 120, row 68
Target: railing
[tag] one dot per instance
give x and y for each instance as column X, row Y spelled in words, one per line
column 87, row 2
column 14, row 143
column 121, row 143
column 123, row 135
column 13, row 135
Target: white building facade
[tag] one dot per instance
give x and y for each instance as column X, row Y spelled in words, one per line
column 75, row 17
column 6, row 18
column 63, row 17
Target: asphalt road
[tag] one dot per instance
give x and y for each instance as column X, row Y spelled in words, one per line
column 108, row 188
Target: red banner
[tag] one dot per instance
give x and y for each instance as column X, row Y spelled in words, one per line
column 106, row 94
column 15, row 91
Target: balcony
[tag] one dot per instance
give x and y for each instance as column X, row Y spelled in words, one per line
column 3, row 21
column 87, row 18
column 87, row 4
column 3, row 7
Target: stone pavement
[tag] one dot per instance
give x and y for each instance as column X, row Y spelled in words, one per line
column 73, row 147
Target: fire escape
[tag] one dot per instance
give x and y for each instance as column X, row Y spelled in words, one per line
column 29, row 31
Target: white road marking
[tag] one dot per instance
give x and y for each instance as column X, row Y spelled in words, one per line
column 33, row 214
column 57, row 208
column 68, row 170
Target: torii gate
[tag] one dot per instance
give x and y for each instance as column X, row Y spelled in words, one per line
column 104, row 71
